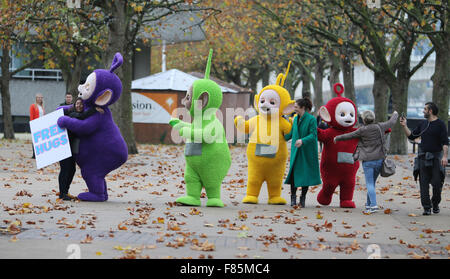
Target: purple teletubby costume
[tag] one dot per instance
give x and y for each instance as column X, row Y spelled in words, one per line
column 102, row 148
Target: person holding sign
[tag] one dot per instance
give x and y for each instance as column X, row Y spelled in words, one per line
column 68, row 166
column 50, row 142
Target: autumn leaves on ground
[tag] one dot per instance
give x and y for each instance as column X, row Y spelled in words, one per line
column 142, row 220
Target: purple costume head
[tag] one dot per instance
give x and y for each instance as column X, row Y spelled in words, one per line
column 102, row 87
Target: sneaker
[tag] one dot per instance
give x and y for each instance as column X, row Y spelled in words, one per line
column 436, row 209
column 426, row 212
column 66, row 197
column 370, row 210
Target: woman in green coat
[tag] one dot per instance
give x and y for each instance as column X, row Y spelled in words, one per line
column 304, row 165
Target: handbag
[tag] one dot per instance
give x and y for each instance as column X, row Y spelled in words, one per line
column 356, row 153
column 388, row 166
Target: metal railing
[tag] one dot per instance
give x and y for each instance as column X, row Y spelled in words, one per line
column 33, row 74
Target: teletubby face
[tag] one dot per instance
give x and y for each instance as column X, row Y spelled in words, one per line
column 85, row 90
column 345, row 114
column 187, row 101
column 269, row 102
column 201, row 101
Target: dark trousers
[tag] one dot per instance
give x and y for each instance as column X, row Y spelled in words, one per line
column 430, row 175
column 294, row 190
column 66, row 174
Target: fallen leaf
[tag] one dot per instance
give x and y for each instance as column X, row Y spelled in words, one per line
column 122, row 227
column 87, row 240
column 205, row 246
column 347, row 235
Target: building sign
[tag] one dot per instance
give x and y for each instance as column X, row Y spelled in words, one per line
column 153, row 107
column 50, row 142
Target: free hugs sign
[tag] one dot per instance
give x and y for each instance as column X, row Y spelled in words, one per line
column 50, row 142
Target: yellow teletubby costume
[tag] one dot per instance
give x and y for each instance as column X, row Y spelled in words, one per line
column 267, row 150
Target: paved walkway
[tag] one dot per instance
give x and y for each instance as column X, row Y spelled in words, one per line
column 141, row 219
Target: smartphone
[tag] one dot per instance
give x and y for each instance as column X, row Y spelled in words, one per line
column 403, row 115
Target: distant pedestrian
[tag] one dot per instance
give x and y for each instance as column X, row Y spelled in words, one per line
column 432, row 156
column 321, row 125
column 67, row 100
column 304, row 168
column 370, row 151
column 37, row 110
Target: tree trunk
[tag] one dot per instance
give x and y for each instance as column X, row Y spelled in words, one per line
column 290, row 83
column 265, row 75
column 399, row 91
column 348, row 73
column 8, row 128
column 75, row 75
column 334, row 72
column 441, row 81
column 380, row 93
column 318, row 80
column 306, row 84
column 253, row 83
column 118, row 42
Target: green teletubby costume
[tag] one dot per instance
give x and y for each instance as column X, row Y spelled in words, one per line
column 207, row 154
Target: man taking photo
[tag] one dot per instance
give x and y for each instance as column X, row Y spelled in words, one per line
column 432, row 156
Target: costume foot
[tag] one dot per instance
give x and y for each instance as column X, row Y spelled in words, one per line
column 188, row 200
column 322, row 199
column 91, row 197
column 347, row 204
column 277, row 200
column 250, row 199
column 214, row 202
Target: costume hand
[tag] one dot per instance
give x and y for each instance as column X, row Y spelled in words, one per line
column 298, row 143
column 174, row 121
column 62, row 121
column 239, row 120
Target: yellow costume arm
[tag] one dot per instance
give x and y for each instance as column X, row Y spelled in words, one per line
column 245, row 126
column 285, row 126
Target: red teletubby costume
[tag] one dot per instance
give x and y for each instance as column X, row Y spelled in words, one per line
column 337, row 166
